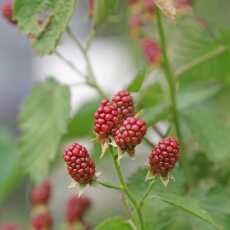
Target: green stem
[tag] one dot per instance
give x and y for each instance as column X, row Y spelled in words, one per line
column 125, row 188
column 90, row 78
column 146, row 194
column 172, row 90
column 108, row 185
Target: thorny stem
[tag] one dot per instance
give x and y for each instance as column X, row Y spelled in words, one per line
column 90, row 78
column 108, row 185
column 172, row 90
column 125, row 188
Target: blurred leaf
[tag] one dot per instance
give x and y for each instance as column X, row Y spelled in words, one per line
column 81, row 125
column 11, row 173
column 115, row 223
column 102, row 9
column 43, row 121
column 138, row 81
column 198, row 56
column 211, row 132
column 44, row 21
column 188, row 205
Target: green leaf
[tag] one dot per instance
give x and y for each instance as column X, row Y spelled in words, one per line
column 115, row 223
column 44, row 21
column 11, row 173
column 198, row 56
column 81, row 125
column 138, row 81
column 188, row 205
column 102, row 9
column 210, row 131
column 43, row 121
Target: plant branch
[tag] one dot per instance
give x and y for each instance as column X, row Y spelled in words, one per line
column 146, row 194
column 172, row 90
column 108, row 185
column 200, row 60
column 125, row 188
column 69, row 63
column 90, row 78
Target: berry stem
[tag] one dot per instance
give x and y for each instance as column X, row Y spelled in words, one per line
column 172, row 90
column 146, row 194
column 90, row 77
column 108, row 185
column 125, row 188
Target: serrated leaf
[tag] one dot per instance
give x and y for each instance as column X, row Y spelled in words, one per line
column 115, row 223
column 43, row 120
column 11, row 172
column 44, row 21
column 188, row 205
column 103, row 9
column 138, row 81
column 211, row 132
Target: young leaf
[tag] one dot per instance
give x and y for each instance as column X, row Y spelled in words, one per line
column 43, row 121
column 137, row 82
column 11, row 173
column 188, row 205
column 44, row 21
column 211, row 132
column 114, row 223
column 103, row 9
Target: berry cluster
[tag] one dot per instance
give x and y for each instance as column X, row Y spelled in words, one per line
column 116, row 119
column 77, row 207
column 164, row 156
column 7, row 11
column 41, row 217
column 79, row 164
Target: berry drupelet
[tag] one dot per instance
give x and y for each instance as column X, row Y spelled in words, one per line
column 79, row 164
column 106, row 117
column 124, row 102
column 41, row 194
column 164, row 156
column 130, row 134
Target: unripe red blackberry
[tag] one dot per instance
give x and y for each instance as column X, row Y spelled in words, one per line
column 106, row 118
column 90, row 7
column 149, row 6
column 7, row 11
column 124, row 102
column 151, row 51
column 164, row 156
column 42, row 221
column 135, row 24
column 9, row 227
column 130, row 134
column 77, row 208
column 79, row 164
column 41, row 194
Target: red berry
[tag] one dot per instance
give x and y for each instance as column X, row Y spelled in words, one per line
column 183, row 4
column 7, row 11
column 42, row 221
column 41, row 194
column 80, row 166
column 90, row 7
column 124, row 102
column 9, row 227
column 76, row 208
column 135, row 24
column 149, row 6
column 106, row 117
column 151, row 51
column 130, row 134
column 164, row 156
